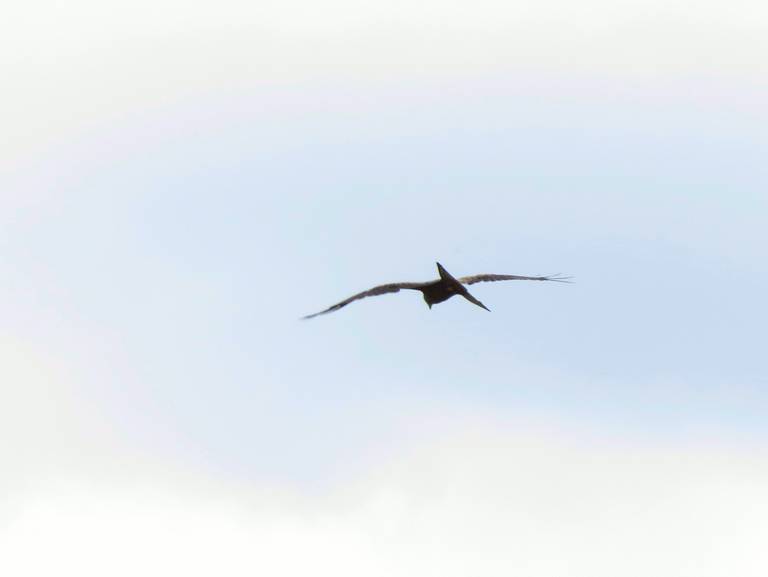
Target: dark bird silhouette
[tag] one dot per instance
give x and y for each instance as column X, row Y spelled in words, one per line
column 437, row 291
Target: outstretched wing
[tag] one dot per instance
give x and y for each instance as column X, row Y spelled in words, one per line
column 495, row 277
column 375, row 291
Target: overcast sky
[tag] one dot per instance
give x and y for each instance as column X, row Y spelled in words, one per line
column 180, row 182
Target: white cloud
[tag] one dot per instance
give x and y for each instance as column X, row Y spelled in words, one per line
column 478, row 499
column 477, row 503
column 69, row 65
column 35, row 424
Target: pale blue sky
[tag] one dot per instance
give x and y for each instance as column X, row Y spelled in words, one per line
column 171, row 208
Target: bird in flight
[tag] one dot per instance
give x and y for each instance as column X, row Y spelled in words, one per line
column 437, row 291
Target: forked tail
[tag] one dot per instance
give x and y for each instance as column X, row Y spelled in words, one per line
column 444, row 274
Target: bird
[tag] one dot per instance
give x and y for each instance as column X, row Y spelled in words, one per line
column 437, row 291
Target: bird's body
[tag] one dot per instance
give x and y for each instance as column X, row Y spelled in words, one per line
column 438, row 291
